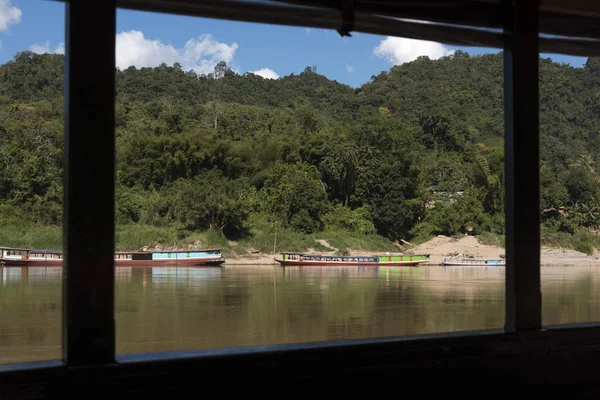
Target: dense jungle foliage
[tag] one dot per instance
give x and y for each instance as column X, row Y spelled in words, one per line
column 415, row 152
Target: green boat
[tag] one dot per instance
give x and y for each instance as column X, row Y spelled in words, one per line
column 296, row 259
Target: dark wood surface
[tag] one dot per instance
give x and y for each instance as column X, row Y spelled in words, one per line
column 89, row 224
column 487, row 364
column 522, row 159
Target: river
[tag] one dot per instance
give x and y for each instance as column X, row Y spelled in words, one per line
column 165, row 309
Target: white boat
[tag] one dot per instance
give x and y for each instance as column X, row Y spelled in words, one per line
column 472, row 262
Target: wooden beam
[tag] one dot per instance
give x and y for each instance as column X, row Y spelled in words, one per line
column 521, row 116
column 566, row 355
column 382, row 18
column 88, row 278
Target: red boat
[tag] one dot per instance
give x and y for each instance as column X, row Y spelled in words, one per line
column 27, row 257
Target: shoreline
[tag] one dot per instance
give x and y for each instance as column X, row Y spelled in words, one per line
column 439, row 248
column 266, row 262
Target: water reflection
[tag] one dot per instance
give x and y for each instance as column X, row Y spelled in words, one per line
column 163, row 309
column 570, row 294
column 330, row 272
column 30, row 311
column 267, row 305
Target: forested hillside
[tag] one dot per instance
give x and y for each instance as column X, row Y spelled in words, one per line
column 417, row 151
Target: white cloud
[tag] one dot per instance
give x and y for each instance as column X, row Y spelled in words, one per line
column 200, row 55
column 60, row 49
column 204, row 53
column 9, row 15
column 266, row 73
column 45, row 48
column 307, row 31
column 350, row 68
column 134, row 49
column 401, row 50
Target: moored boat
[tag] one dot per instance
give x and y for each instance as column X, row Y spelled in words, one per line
column 472, row 262
column 295, row 259
column 207, row 257
column 28, row 257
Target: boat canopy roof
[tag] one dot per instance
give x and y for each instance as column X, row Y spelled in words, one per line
column 169, row 251
column 118, row 252
column 30, row 250
column 475, row 259
column 329, row 256
column 352, row 256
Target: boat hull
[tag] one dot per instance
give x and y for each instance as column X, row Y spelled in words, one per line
column 11, row 262
column 121, row 263
column 474, row 263
column 171, row 263
column 295, row 263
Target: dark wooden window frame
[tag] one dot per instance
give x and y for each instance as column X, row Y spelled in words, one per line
column 89, row 363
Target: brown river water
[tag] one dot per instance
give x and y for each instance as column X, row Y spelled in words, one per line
column 166, row 309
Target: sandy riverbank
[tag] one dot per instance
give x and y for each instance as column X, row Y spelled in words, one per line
column 442, row 246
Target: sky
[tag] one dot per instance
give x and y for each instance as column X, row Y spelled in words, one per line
column 148, row 39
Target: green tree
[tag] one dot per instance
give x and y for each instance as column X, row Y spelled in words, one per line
column 295, row 195
column 211, row 201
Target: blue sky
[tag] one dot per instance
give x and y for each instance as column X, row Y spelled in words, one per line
column 146, row 39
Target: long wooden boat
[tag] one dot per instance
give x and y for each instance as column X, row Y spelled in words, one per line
column 29, row 257
column 472, row 262
column 296, row 259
